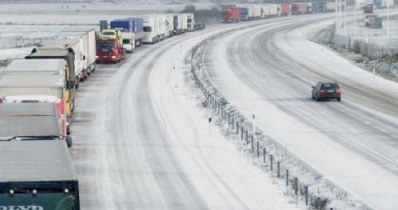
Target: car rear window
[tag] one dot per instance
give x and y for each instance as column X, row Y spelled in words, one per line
column 330, row 86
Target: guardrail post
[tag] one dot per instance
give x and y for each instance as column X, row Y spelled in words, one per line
column 264, row 155
column 287, row 178
column 258, row 149
column 295, row 185
column 271, row 158
column 306, row 194
column 278, row 166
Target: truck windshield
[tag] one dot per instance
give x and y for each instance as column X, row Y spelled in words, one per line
column 105, row 45
column 147, row 29
column 108, row 33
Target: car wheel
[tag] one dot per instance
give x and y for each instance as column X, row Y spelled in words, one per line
column 318, row 99
column 339, row 99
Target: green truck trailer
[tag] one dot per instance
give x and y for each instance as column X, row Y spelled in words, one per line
column 37, row 175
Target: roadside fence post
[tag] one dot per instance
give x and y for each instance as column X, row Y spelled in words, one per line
column 265, row 154
column 271, row 158
column 278, row 168
column 287, row 177
column 258, row 149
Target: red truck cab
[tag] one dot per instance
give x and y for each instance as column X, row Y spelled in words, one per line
column 109, row 51
column 231, row 14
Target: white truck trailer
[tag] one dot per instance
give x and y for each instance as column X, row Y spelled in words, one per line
column 190, row 21
column 88, row 46
column 151, row 28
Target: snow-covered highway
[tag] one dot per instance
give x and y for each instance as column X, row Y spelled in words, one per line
column 143, row 142
column 268, row 71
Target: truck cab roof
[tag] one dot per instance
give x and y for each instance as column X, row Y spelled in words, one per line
column 50, row 81
column 36, row 66
column 35, row 161
column 28, row 120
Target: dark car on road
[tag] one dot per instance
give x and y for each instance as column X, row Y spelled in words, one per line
column 326, row 90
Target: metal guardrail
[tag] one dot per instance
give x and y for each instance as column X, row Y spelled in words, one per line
column 301, row 181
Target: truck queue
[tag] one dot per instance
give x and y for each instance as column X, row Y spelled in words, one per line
column 37, row 99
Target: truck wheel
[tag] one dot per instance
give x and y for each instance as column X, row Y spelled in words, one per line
column 69, row 141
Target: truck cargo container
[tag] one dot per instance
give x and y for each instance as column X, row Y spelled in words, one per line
column 244, row 12
column 37, row 175
column 231, row 14
column 190, row 21
column 33, row 121
column 36, row 67
column 184, row 22
column 257, row 12
column 162, row 27
column 286, row 9
column 132, row 31
column 300, row 8
column 52, row 49
column 265, row 10
column 87, row 40
column 109, row 50
column 318, row 7
column 330, row 6
column 67, row 54
column 177, row 24
column 169, row 25
column 151, row 27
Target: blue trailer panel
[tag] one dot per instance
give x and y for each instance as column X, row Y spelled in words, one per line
column 134, row 24
column 244, row 12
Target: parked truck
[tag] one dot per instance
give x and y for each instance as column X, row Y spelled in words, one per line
column 35, row 88
column 37, row 175
column 177, row 24
column 33, row 122
column 286, row 9
column 151, row 29
column 244, row 12
column 231, row 14
column 169, row 25
column 184, row 22
column 132, row 31
column 65, row 53
column 109, row 50
column 71, row 50
column 54, row 70
column 88, row 54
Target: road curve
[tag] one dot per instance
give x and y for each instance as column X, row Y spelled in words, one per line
column 274, row 66
column 141, row 141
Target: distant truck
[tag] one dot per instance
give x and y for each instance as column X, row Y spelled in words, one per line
column 368, row 9
column 37, row 175
column 190, row 21
column 76, row 45
column 286, row 9
column 51, row 71
column 33, row 122
column 177, row 24
column 169, row 25
column 88, row 51
column 151, row 29
column 132, row 31
column 109, row 50
column 231, row 14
